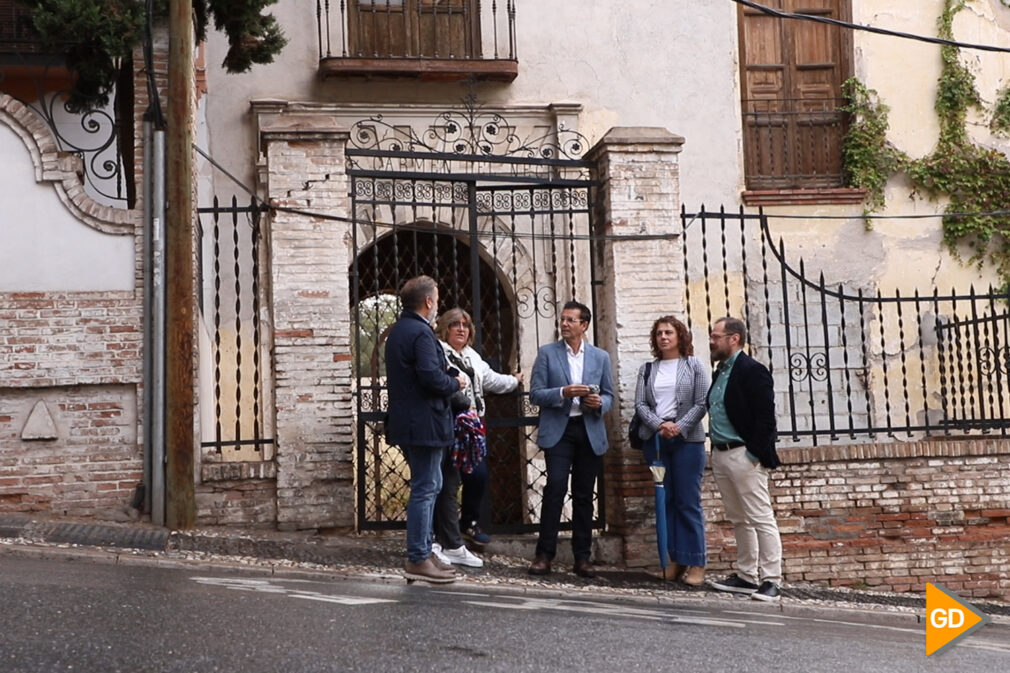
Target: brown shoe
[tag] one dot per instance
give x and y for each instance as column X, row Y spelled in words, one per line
column 673, row 572
column 439, row 564
column 426, row 571
column 694, row 576
column 541, row 565
column 583, row 568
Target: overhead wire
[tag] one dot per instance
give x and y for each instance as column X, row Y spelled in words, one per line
column 748, row 3
column 403, row 226
column 870, row 29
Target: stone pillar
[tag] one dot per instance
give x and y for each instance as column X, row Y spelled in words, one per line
column 643, row 279
column 309, row 261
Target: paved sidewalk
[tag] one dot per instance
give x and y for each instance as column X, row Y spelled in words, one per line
column 382, row 554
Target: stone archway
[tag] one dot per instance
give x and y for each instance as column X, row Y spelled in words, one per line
column 379, row 270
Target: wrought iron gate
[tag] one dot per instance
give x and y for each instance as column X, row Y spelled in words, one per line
column 505, row 238
column 851, row 363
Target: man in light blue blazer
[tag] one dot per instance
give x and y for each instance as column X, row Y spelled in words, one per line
column 571, row 385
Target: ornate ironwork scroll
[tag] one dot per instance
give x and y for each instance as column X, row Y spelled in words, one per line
column 470, row 130
column 40, row 80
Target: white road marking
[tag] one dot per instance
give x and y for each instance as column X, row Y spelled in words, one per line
column 603, row 609
column 267, row 587
column 861, row 625
column 342, row 600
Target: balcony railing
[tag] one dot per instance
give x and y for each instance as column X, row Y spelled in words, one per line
column 425, row 39
column 793, row 143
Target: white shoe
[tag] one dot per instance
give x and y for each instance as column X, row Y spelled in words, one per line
column 462, row 556
column 436, row 549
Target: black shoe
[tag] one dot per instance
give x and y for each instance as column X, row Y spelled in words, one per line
column 583, row 568
column 735, row 584
column 769, row 592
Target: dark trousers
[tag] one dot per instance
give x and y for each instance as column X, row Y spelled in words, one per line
column 572, row 455
column 474, row 487
column 447, row 506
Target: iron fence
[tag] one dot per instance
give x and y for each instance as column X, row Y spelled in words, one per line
column 851, row 363
column 237, row 426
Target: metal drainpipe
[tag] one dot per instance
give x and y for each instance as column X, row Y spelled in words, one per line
column 158, row 330
column 148, row 318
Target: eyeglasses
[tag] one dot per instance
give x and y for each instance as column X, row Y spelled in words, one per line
column 565, row 320
column 460, row 323
column 713, row 335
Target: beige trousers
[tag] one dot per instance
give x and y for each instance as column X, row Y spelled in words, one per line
column 744, row 489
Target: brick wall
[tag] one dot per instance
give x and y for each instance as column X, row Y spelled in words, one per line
column 887, row 516
column 79, row 356
column 237, row 493
column 310, row 258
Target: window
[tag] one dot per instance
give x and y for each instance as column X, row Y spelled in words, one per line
column 443, row 29
column 791, row 78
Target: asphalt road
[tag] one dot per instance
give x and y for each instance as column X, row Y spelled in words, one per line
column 60, row 615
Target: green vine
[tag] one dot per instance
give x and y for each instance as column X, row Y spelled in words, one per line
column 1001, row 113
column 974, row 179
column 867, row 156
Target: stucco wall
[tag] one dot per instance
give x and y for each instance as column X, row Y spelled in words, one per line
column 43, row 246
column 633, row 64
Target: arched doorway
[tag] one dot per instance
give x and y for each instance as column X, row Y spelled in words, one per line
column 465, row 279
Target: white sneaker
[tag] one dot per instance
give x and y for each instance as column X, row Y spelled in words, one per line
column 436, row 549
column 462, row 556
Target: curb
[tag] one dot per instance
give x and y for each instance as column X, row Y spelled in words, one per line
column 878, row 614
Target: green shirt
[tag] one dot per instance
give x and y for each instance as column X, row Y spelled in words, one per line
column 720, row 430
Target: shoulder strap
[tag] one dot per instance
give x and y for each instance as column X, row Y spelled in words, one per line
column 648, row 388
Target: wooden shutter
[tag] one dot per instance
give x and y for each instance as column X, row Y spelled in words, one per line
column 444, row 29
column 792, row 72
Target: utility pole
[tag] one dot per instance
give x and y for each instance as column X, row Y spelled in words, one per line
column 180, row 506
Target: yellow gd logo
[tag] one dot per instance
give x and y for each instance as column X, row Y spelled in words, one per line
column 949, row 618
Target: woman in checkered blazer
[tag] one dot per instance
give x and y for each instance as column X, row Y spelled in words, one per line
column 670, row 400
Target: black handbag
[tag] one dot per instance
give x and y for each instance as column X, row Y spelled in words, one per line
column 459, row 402
column 634, row 427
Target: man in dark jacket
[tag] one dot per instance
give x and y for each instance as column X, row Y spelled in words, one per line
column 420, row 418
column 742, row 429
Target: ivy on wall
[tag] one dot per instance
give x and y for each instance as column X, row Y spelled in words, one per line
column 974, row 179
column 868, row 158
column 1001, row 114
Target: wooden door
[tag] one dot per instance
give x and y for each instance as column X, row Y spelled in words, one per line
column 792, row 72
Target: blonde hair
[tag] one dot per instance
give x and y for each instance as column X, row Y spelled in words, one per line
column 455, row 314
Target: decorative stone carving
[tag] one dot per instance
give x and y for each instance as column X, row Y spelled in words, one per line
column 40, row 424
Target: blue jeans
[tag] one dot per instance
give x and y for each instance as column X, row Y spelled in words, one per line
column 425, row 483
column 685, row 521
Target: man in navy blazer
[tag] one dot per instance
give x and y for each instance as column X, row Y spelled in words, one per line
column 571, row 385
column 741, row 425
column 420, row 418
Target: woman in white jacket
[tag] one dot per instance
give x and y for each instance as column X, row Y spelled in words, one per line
column 455, row 331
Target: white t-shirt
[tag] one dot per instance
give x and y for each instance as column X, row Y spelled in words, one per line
column 665, row 387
